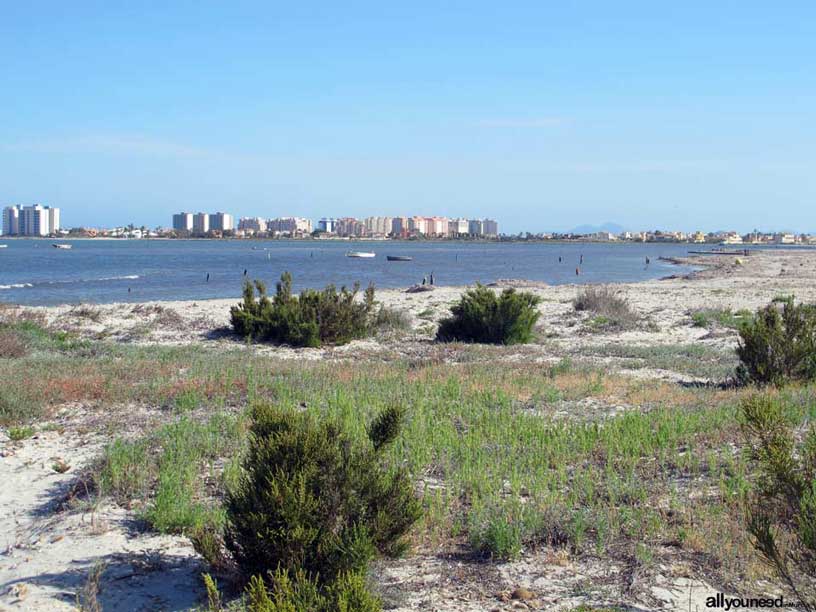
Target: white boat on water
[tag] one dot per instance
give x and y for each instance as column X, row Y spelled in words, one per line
column 361, row 254
column 62, row 246
column 3, row 246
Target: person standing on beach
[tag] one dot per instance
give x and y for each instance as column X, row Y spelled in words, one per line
column 432, row 279
column 208, row 277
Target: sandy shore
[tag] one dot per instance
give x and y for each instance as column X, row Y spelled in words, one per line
column 45, row 552
column 665, row 306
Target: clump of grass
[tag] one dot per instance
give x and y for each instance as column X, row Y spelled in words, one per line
column 610, row 309
column 693, row 359
column 778, row 345
column 11, row 344
column 20, row 433
column 392, row 320
column 722, row 317
column 482, row 316
column 311, row 319
column 164, row 472
column 86, row 311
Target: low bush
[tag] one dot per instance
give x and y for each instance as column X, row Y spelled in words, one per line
column 315, row 501
column 778, row 345
column 311, row 319
column 610, row 308
column 782, row 510
column 483, row 316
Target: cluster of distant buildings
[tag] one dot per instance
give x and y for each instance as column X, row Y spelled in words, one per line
column 203, row 223
column 756, row 237
column 39, row 220
column 409, row 227
column 209, row 224
column 36, row 220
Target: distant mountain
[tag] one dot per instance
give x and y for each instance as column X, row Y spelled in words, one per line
column 612, row 228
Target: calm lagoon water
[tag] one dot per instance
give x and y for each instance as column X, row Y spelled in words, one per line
column 99, row 271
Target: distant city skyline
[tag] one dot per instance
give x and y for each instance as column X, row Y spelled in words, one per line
column 544, row 116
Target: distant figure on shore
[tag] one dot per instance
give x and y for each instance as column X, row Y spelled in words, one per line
column 647, row 260
column 245, row 271
column 577, row 271
column 432, row 279
column 424, row 280
column 208, row 277
column 128, row 289
column 581, row 260
column 559, row 259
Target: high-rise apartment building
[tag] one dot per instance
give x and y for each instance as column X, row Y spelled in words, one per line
column 327, row 224
column 436, row 226
column 34, row 220
column 252, row 224
column 11, row 220
column 221, row 222
column 183, row 221
column 475, row 227
column 379, row 225
column 418, row 225
column 458, row 227
column 290, row 225
column 201, row 223
column 399, row 226
column 490, row 228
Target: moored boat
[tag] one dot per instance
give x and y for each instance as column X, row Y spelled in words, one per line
column 3, row 246
column 399, row 258
column 61, row 246
column 361, row 254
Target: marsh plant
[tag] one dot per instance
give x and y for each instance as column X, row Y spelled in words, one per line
column 316, row 504
column 782, row 511
column 779, row 344
column 482, row 316
column 311, row 319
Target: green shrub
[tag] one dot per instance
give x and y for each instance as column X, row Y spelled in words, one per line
column 782, row 510
column 482, row 316
column 312, row 498
column 299, row 592
column 778, row 345
column 311, row 319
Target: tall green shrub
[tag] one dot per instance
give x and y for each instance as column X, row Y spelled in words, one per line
column 482, row 316
column 311, row 319
column 779, row 344
column 782, row 510
column 315, row 499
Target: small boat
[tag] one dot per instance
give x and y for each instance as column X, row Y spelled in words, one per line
column 361, row 254
column 61, row 246
column 3, row 246
column 399, row 258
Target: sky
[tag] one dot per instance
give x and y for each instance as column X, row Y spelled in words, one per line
column 543, row 115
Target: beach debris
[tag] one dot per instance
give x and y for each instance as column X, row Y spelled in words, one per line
column 60, row 465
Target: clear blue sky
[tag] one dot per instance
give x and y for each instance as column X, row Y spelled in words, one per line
column 544, row 115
